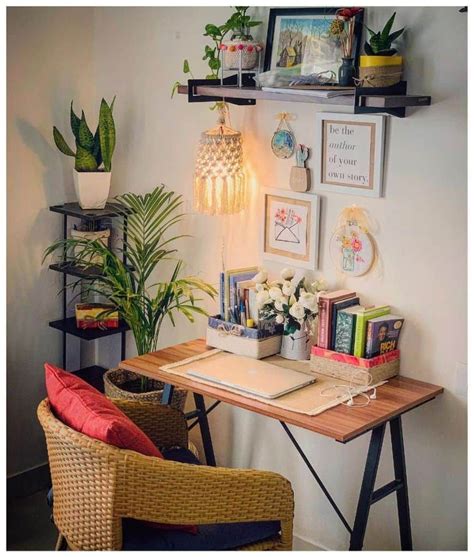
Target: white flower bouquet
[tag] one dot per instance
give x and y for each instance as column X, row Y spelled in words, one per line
column 293, row 304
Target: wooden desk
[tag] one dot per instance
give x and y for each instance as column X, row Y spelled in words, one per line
column 342, row 423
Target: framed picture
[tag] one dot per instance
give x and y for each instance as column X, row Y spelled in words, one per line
column 299, row 42
column 349, row 153
column 290, row 231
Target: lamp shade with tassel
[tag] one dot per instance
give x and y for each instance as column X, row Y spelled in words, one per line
column 219, row 177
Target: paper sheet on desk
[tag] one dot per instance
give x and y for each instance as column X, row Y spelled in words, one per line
column 308, row 400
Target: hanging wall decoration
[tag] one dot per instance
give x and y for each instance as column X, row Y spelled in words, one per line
column 350, row 153
column 283, row 140
column 299, row 175
column 352, row 246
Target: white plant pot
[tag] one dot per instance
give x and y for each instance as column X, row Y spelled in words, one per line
column 92, row 188
column 296, row 346
column 232, row 54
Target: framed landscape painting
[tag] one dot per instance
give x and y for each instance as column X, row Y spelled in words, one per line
column 299, row 41
column 290, row 231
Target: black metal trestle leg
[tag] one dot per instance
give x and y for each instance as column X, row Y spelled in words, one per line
column 205, row 431
column 368, row 496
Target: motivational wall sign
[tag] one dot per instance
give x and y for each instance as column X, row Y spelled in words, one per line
column 350, row 153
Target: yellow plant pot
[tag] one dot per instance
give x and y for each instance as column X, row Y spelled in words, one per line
column 380, row 71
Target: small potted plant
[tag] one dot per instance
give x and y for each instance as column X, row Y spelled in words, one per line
column 142, row 298
column 382, row 66
column 241, row 42
column 93, row 156
column 293, row 304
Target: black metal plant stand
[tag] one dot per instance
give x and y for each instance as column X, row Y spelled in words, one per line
column 67, row 325
column 368, row 494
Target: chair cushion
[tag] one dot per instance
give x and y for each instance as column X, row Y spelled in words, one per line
column 84, row 409
column 139, row 536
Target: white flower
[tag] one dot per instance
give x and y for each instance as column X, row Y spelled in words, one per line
column 319, row 284
column 279, row 319
column 288, row 289
column 274, row 283
column 275, row 292
column 259, row 287
column 309, row 301
column 261, row 277
column 287, row 273
column 279, row 302
column 297, row 311
column 262, row 298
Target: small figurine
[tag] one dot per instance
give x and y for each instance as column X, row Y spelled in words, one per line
column 300, row 175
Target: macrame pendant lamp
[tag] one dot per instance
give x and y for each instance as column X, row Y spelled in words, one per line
column 219, row 178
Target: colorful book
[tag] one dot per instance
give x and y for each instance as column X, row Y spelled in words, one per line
column 345, row 329
column 383, row 334
column 337, row 307
column 231, row 278
column 326, row 303
column 222, row 295
column 361, row 326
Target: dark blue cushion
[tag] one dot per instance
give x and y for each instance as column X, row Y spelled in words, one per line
column 139, row 537
column 179, row 454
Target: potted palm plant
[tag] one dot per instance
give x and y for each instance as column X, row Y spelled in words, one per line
column 142, row 300
column 93, row 156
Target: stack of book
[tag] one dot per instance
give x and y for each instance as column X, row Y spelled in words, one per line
column 238, row 295
column 346, row 326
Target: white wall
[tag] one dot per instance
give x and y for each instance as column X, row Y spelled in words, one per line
column 49, row 63
column 138, row 54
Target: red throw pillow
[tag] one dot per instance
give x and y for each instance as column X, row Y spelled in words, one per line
column 85, row 409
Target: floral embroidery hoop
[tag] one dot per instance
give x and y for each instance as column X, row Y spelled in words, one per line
column 352, row 247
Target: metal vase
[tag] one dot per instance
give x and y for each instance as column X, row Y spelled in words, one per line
column 296, row 346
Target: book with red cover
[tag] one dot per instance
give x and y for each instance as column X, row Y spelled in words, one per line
column 326, row 303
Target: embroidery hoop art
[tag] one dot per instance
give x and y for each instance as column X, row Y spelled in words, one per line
column 352, row 247
column 283, row 140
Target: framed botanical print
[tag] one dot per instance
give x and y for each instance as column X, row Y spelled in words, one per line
column 290, row 230
column 299, row 41
column 349, row 153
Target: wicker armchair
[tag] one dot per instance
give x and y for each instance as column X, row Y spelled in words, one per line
column 96, row 485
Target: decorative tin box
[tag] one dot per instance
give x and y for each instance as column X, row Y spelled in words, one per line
column 87, row 317
column 245, row 341
column 360, row 371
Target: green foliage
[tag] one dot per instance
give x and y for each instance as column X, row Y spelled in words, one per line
column 92, row 150
column 141, row 301
column 380, row 43
column 241, row 23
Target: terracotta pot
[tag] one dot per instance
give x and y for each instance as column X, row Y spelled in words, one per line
column 92, row 188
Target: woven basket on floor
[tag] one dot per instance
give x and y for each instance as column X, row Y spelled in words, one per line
column 115, row 378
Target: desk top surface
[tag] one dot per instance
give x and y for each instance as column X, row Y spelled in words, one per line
column 342, row 423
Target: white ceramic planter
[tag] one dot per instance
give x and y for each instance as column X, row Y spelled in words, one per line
column 92, row 188
column 296, row 346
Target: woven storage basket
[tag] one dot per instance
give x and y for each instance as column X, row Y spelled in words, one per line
column 114, row 378
column 244, row 346
column 380, row 71
column 359, row 371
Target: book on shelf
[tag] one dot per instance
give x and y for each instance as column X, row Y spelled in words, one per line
column 328, row 93
column 325, row 305
column 383, row 334
column 361, row 326
column 337, row 307
column 345, row 329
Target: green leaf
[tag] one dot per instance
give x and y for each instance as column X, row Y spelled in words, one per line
column 212, row 30
column 96, row 148
column 186, row 67
column 61, row 143
column 85, row 137
column 75, row 121
column 254, row 23
column 175, row 88
column 85, row 161
column 112, row 103
column 368, row 49
column 388, row 27
column 106, row 134
column 393, row 36
column 214, row 63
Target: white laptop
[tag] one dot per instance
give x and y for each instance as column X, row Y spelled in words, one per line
column 257, row 378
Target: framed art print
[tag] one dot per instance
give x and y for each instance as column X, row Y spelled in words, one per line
column 350, row 153
column 299, row 41
column 290, row 231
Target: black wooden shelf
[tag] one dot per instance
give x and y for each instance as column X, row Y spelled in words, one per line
column 68, row 326
column 91, row 272
column 94, row 375
column 74, row 210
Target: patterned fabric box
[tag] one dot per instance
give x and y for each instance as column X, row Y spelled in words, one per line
column 360, row 371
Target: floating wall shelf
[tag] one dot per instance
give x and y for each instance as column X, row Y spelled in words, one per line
column 392, row 100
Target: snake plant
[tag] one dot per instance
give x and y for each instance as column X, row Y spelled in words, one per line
column 380, row 43
column 92, row 150
column 143, row 301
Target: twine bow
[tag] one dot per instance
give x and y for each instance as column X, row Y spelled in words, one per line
column 368, row 79
column 225, row 330
column 354, row 215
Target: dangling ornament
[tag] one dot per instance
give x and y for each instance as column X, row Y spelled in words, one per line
column 352, row 246
column 283, row 140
